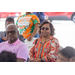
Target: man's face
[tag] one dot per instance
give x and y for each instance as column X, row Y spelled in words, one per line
column 11, row 34
column 7, row 23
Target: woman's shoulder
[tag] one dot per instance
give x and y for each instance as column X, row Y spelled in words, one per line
column 54, row 39
column 36, row 41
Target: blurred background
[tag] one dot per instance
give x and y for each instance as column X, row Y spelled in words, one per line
column 63, row 22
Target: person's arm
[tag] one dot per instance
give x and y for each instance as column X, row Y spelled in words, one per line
column 20, row 60
column 34, row 32
column 36, row 29
column 51, row 56
column 32, row 53
column 36, row 23
column 22, row 53
column 2, row 36
column 1, row 40
column 21, row 37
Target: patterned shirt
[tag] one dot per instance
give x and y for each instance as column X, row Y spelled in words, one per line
column 26, row 24
column 47, row 51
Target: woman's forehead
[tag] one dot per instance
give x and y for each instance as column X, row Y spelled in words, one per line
column 46, row 25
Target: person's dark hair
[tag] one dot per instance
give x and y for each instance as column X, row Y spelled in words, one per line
column 67, row 52
column 7, row 57
column 9, row 19
column 51, row 27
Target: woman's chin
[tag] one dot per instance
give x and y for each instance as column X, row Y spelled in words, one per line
column 44, row 35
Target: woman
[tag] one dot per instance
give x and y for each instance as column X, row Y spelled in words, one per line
column 46, row 47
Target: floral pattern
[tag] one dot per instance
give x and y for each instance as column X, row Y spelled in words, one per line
column 47, row 51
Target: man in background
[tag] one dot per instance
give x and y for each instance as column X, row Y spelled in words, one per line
column 8, row 20
column 28, row 25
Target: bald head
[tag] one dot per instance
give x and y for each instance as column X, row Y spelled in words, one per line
column 12, row 26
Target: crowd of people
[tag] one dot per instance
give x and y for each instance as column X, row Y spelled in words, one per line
column 45, row 48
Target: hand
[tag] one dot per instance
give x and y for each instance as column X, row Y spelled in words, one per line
column 46, row 17
column 29, row 38
column 38, row 59
column 4, row 38
column 35, row 60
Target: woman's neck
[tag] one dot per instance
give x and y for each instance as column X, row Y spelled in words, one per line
column 45, row 39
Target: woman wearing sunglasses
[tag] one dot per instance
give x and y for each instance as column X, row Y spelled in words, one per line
column 46, row 47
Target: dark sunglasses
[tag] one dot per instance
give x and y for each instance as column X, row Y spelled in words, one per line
column 12, row 32
column 44, row 28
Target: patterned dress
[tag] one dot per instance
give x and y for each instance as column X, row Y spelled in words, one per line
column 47, row 51
column 26, row 24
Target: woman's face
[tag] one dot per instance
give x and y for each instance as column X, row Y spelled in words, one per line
column 45, row 30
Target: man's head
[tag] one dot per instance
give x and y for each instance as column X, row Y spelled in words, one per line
column 9, row 20
column 28, row 12
column 66, row 55
column 12, row 33
column 7, row 57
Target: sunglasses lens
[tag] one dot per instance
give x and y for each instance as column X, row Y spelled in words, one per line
column 42, row 28
column 47, row 28
column 12, row 32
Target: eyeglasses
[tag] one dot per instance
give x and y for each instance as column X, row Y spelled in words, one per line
column 44, row 28
column 12, row 32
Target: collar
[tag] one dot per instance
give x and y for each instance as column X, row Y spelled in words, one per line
column 15, row 43
column 51, row 37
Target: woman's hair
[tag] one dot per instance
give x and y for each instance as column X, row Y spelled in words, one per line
column 67, row 52
column 51, row 27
